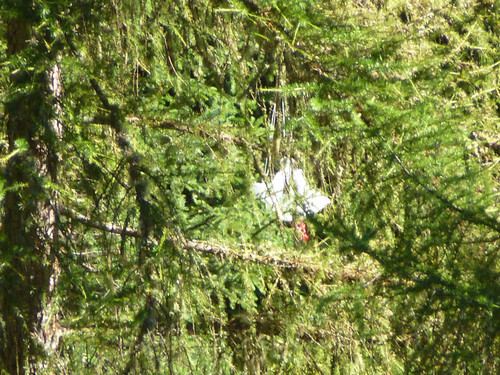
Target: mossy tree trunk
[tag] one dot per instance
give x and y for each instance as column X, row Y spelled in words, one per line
column 29, row 213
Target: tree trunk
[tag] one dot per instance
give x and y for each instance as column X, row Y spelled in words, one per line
column 28, row 221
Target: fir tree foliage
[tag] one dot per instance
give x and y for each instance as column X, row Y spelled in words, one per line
column 166, row 262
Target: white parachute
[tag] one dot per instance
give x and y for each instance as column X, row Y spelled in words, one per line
column 288, row 193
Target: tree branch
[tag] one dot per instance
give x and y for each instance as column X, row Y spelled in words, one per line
column 465, row 213
column 289, row 264
column 216, row 249
column 185, row 128
column 105, row 227
column 210, row 248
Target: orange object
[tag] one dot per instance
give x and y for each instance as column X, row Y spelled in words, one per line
column 301, row 229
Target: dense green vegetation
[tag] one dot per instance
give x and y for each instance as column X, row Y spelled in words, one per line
column 132, row 132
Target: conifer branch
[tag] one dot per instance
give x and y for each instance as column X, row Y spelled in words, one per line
column 290, row 264
column 105, row 227
column 185, row 128
column 295, row 264
column 205, row 247
column 468, row 215
column 217, row 249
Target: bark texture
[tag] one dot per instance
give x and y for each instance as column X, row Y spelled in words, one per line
column 29, row 217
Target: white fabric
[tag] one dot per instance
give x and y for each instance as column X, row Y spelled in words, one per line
column 288, row 192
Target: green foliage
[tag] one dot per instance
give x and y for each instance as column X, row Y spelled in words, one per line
column 168, row 263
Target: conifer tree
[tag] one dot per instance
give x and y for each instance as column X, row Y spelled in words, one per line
column 132, row 241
